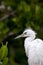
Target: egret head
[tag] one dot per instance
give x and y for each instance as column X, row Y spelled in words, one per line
column 27, row 33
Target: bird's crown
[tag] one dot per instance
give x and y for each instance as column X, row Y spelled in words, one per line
column 29, row 31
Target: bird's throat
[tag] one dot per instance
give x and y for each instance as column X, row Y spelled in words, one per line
column 30, row 38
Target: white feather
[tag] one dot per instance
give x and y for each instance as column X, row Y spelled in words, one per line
column 34, row 50
column 33, row 47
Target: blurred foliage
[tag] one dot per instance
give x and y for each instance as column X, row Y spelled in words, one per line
column 3, row 55
column 28, row 13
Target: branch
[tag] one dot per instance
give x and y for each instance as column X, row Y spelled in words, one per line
column 6, row 16
column 8, row 37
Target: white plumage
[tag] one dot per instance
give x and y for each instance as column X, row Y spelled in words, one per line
column 33, row 47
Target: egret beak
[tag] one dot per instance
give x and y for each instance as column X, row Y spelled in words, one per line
column 19, row 36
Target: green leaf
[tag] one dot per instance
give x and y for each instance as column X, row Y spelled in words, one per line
column 3, row 51
column 5, row 61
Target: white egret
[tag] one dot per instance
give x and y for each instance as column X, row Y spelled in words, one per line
column 33, row 47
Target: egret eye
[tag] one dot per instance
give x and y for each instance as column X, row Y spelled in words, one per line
column 25, row 33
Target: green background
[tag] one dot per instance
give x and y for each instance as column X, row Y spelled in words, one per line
column 27, row 13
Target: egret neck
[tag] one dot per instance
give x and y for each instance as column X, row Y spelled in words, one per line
column 27, row 42
column 31, row 38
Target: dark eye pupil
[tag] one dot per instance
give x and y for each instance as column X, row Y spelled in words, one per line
column 25, row 33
